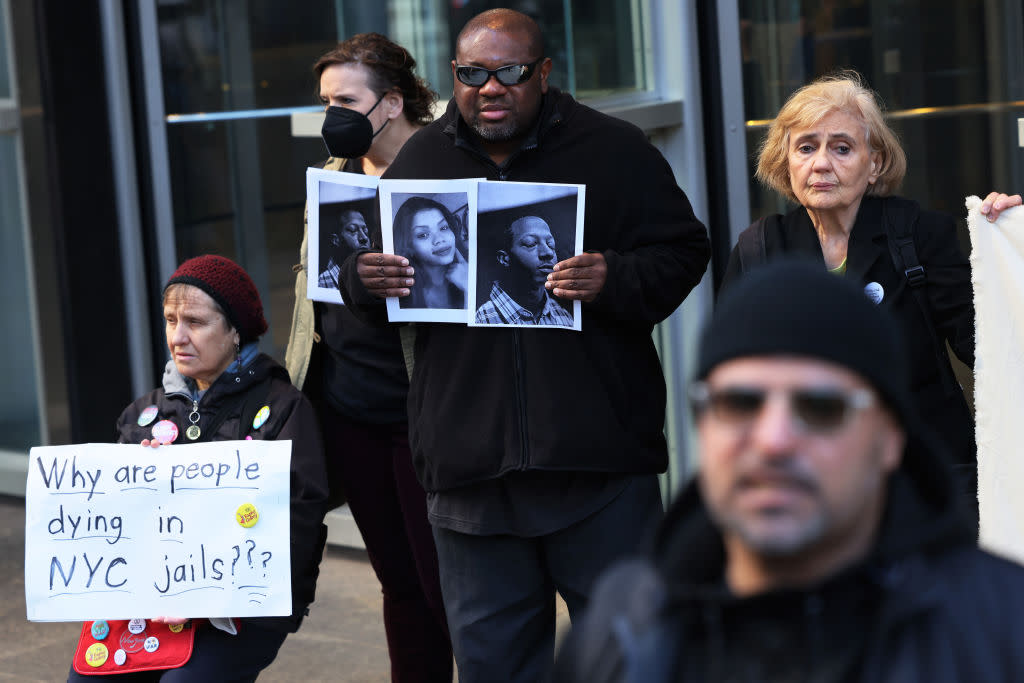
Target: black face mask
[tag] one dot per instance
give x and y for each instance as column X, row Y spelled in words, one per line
column 347, row 133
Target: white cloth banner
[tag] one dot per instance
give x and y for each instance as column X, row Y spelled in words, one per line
column 117, row 531
column 997, row 270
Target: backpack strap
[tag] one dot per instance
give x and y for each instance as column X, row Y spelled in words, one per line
column 900, row 220
column 750, row 247
column 407, row 333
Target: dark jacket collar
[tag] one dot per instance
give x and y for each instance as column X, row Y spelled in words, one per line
column 556, row 106
column 229, row 382
column 922, row 518
column 867, row 238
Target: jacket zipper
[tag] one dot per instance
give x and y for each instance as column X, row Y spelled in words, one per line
column 524, row 451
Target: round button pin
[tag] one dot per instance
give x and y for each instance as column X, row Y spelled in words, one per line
column 176, row 628
column 165, row 431
column 147, row 415
column 874, row 292
column 131, row 642
column 120, row 657
column 137, row 625
column 246, row 515
column 261, row 417
column 100, row 629
column 96, row 655
column 151, row 644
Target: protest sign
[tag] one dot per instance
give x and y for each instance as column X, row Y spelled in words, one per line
column 117, row 531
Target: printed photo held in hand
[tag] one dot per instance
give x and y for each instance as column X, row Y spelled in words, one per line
column 524, row 230
column 342, row 213
column 423, row 221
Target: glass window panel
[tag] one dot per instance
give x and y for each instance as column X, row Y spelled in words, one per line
column 19, row 409
column 264, row 60
column 955, row 58
column 239, row 189
column 226, row 55
column 596, row 46
column 5, row 66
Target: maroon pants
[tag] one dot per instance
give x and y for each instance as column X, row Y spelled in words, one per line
column 372, row 465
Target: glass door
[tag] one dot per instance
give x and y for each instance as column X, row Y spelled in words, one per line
column 951, row 74
column 21, row 421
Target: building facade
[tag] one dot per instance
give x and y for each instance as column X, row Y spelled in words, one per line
column 137, row 133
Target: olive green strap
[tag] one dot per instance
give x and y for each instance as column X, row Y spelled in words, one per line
column 408, row 336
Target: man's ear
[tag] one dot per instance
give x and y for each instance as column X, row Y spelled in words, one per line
column 545, row 70
column 503, row 258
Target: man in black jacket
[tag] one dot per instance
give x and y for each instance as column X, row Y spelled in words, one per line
column 539, row 448
column 822, row 539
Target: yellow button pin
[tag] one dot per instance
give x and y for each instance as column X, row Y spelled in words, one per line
column 246, row 515
column 96, row 655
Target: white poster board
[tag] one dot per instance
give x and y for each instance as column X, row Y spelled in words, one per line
column 118, row 531
column 997, row 272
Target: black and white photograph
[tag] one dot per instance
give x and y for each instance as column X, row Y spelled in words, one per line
column 429, row 222
column 522, row 231
column 343, row 212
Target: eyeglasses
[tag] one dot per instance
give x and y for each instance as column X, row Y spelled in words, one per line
column 513, row 74
column 816, row 410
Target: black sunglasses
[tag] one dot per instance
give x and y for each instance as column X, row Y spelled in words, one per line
column 513, row 74
column 816, row 410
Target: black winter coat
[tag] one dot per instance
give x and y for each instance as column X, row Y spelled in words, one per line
column 949, row 294
column 486, row 401
column 926, row 605
column 291, row 417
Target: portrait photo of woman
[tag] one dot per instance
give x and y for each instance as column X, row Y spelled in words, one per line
column 429, row 234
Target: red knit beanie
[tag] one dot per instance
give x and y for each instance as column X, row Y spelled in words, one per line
column 228, row 285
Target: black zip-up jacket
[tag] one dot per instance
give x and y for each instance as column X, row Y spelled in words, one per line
column 926, row 605
column 291, row 417
column 484, row 402
column 948, row 291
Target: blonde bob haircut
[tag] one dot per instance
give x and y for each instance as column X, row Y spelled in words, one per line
column 842, row 91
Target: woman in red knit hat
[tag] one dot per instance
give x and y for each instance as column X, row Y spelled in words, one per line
column 217, row 386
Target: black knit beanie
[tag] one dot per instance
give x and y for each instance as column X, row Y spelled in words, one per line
column 799, row 309
column 230, row 286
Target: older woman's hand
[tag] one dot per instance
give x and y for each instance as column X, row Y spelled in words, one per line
column 384, row 275
column 170, row 621
column 996, row 202
column 155, row 442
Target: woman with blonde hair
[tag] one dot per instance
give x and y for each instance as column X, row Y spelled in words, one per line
column 830, row 151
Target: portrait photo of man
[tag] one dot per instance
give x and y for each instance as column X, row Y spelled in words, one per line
column 525, row 231
column 518, row 296
column 349, row 234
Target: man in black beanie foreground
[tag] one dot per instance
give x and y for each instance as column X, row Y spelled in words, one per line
column 821, row 539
